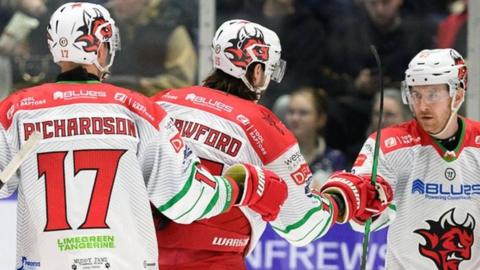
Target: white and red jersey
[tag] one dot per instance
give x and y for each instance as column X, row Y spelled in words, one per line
column 84, row 196
column 223, row 129
column 437, row 197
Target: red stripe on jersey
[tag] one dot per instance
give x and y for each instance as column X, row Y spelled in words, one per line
column 267, row 135
column 399, row 136
column 404, row 135
column 410, row 133
column 51, row 95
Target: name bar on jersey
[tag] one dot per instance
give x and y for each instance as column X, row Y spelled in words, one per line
column 209, row 136
column 82, row 126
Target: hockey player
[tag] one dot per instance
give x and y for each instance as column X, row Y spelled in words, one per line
column 223, row 124
column 106, row 154
column 432, row 163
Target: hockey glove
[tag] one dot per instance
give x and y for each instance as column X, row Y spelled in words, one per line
column 263, row 191
column 361, row 200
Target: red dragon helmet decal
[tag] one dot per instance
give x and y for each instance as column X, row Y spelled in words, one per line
column 447, row 242
column 240, row 57
column 239, row 43
column 91, row 26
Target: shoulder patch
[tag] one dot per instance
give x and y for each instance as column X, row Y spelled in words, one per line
column 399, row 136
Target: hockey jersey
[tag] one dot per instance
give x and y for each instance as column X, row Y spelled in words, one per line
column 437, row 197
column 223, row 129
column 84, row 196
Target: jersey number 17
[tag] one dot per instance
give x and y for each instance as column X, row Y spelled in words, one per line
column 51, row 165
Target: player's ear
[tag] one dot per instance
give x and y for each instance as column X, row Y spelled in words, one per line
column 258, row 74
column 102, row 51
column 459, row 96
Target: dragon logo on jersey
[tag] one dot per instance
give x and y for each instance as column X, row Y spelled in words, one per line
column 89, row 29
column 447, row 242
column 246, row 39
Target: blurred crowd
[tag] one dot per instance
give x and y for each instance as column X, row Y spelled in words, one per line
column 329, row 95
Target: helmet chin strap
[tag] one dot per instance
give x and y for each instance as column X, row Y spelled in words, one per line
column 257, row 90
column 442, row 133
column 104, row 71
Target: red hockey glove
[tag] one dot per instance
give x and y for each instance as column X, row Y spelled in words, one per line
column 361, row 199
column 378, row 199
column 263, row 191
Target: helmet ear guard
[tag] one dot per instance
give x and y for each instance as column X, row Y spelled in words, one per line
column 113, row 45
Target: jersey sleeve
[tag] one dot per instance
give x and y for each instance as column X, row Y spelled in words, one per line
column 177, row 186
column 303, row 217
column 363, row 165
column 6, row 155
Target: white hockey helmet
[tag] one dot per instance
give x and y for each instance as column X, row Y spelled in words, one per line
column 76, row 31
column 239, row 43
column 438, row 66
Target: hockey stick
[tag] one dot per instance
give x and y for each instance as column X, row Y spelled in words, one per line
column 20, row 157
column 366, row 233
